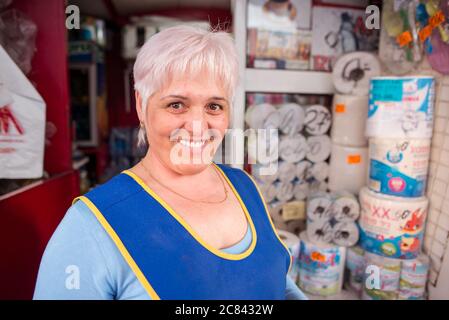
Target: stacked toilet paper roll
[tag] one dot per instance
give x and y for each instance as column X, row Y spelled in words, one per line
column 293, row 148
column 401, row 107
column 352, row 73
column 320, row 267
column 317, row 120
column 399, row 166
column 262, row 116
column 331, row 219
column 348, row 168
column 413, row 279
column 349, row 119
column 293, row 244
column 263, row 146
column 392, row 226
column 381, row 278
column 292, row 118
column 318, row 148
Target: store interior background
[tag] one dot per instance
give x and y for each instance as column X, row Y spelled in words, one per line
column 80, row 154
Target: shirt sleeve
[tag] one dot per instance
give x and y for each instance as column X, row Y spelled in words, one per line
column 292, row 292
column 73, row 266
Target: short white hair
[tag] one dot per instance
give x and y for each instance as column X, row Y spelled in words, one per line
column 183, row 50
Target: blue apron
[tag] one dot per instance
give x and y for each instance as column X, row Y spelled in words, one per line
column 172, row 262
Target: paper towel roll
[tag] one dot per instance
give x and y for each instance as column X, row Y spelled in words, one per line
column 348, row 168
column 392, row 226
column 293, row 148
column 303, row 170
column 284, row 190
column 345, row 207
column 349, row 120
column 262, row 116
column 399, row 166
column 355, row 263
column 389, row 272
column 301, row 190
column 320, row 171
column 292, row 117
column 412, row 284
column 401, row 107
column 287, row 171
column 352, row 72
column 319, row 148
column 319, row 207
column 320, row 267
column 345, row 234
column 320, row 231
column 318, row 119
column 292, row 242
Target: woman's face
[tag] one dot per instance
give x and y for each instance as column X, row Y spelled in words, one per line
column 186, row 121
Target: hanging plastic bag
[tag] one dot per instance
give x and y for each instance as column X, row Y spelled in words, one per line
column 22, row 123
column 18, row 38
column 438, row 56
column 399, row 49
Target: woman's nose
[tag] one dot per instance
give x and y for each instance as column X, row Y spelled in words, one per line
column 196, row 122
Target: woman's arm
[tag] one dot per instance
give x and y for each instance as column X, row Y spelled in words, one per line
column 73, row 265
column 292, row 292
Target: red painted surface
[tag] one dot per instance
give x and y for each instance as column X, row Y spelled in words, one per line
column 49, row 75
column 28, row 220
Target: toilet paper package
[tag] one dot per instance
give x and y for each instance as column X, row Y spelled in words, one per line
column 349, row 120
column 392, row 226
column 348, row 168
column 401, row 107
column 399, row 166
column 412, row 284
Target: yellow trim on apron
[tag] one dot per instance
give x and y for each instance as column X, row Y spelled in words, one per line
column 192, row 232
column 121, row 247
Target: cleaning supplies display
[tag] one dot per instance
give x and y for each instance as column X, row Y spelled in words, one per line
column 392, row 226
column 352, row 73
column 412, row 283
column 320, row 267
column 399, row 166
column 387, row 271
column 331, row 218
column 349, row 120
column 348, row 168
column 401, row 107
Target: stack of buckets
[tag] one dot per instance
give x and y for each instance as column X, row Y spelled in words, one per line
column 394, row 205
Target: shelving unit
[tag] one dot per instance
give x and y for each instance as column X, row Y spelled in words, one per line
column 264, row 80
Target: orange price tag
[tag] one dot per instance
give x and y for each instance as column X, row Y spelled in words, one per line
column 340, row 108
column 425, row 33
column 437, row 19
column 404, row 38
column 354, row 158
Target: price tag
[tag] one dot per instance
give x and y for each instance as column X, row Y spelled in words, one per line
column 340, row 108
column 425, row 32
column 436, row 19
column 294, row 210
column 404, row 38
column 354, row 159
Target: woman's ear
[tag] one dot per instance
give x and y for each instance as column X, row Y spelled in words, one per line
column 139, row 106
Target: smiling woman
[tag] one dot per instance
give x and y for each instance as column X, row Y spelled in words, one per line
column 176, row 225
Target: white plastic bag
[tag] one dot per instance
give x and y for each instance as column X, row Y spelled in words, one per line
column 22, row 123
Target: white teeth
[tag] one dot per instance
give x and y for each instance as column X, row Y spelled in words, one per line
column 192, row 144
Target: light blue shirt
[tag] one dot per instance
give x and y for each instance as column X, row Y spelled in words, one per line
column 82, row 262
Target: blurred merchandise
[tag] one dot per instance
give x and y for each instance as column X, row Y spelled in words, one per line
column 336, row 31
column 91, row 30
column 22, row 123
column 18, row 38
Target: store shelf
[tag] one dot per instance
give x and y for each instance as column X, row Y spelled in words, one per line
column 288, row 81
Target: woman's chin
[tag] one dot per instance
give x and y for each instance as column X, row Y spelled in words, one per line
column 191, row 168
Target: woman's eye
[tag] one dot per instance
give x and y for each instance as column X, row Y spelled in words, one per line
column 215, row 107
column 176, row 106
